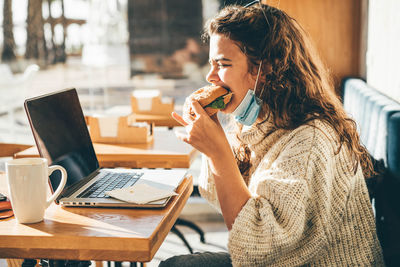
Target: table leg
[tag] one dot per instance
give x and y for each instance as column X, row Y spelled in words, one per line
column 29, row 263
column 193, row 226
column 180, row 235
column 56, row 263
column 71, row 263
column 65, row 263
column 44, row 263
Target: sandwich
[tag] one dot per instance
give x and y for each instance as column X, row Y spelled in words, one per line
column 211, row 97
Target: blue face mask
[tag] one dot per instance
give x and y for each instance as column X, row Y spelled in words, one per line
column 247, row 111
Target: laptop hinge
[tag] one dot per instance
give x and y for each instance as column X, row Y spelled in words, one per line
column 72, row 189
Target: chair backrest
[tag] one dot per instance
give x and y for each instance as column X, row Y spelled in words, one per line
column 9, row 150
column 378, row 120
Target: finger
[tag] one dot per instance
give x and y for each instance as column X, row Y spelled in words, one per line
column 198, row 109
column 178, row 118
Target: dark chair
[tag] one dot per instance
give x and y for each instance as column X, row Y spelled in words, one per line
column 191, row 225
column 9, row 150
column 378, row 120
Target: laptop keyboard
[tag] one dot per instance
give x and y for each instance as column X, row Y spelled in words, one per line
column 109, row 182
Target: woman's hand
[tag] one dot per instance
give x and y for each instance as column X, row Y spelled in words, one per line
column 203, row 132
column 206, row 135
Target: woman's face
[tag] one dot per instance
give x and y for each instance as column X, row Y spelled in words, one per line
column 229, row 69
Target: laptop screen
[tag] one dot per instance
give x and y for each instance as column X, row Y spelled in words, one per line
column 61, row 134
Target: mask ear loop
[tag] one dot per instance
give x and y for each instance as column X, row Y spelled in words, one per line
column 266, row 19
column 262, row 10
column 259, row 67
column 258, row 75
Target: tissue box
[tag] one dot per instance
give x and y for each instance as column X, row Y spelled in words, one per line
column 119, row 130
column 150, row 102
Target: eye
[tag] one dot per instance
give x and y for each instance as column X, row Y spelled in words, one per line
column 221, row 65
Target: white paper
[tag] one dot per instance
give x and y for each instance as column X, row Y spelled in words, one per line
column 140, row 194
column 145, row 97
column 108, row 125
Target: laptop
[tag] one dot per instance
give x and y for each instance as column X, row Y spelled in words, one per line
column 62, row 137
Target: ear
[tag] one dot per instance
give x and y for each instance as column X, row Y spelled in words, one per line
column 264, row 68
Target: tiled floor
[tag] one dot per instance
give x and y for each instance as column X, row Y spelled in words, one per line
column 99, row 89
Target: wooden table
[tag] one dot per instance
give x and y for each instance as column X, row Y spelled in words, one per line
column 101, row 234
column 158, row 120
column 166, row 151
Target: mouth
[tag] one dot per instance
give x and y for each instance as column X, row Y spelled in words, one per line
column 227, row 88
column 226, row 99
column 229, row 94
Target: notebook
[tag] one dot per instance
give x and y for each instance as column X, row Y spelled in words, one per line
column 62, row 137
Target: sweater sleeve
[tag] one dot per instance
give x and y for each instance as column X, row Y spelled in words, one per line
column 289, row 218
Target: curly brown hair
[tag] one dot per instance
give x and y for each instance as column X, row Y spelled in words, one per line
column 298, row 87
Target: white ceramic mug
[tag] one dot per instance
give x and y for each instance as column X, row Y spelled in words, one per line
column 28, row 186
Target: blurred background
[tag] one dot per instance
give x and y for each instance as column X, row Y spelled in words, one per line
column 106, row 49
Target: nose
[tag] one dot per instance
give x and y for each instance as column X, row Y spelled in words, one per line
column 212, row 75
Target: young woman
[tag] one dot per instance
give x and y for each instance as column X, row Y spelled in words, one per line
column 291, row 188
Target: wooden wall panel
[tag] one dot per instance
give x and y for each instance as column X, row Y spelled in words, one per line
column 335, row 28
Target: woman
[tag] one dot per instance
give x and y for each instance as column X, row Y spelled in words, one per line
column 291, row 189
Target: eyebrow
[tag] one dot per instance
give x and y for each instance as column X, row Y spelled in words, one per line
column 219, row 58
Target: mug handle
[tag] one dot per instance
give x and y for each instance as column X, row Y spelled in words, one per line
column 60, row 186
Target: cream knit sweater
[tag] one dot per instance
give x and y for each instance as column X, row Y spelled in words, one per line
column 307, row 207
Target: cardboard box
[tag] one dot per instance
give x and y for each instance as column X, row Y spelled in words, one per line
column 119, row 130
column 150, row 102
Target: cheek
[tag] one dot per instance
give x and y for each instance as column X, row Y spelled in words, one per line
column 249, row 80
column 224, row 75
column 233, row 78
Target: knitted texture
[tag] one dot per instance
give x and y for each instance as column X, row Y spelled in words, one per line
column 307, row 206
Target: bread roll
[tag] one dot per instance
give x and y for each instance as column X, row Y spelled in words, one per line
column 209, row 98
